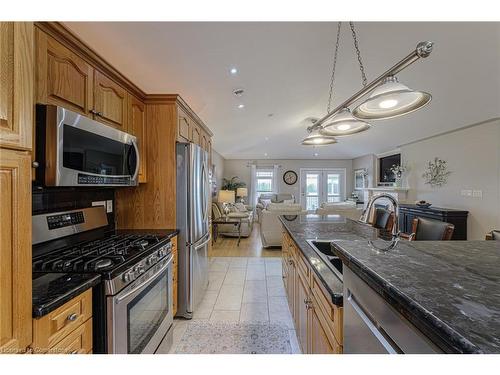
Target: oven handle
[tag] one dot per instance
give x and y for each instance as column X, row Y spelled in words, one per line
column 121, row 298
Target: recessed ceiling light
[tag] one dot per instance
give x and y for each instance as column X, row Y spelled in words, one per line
column 240, row 106
column 266, row 139
column 265, row 153
column 233, row 71
column 316, row 154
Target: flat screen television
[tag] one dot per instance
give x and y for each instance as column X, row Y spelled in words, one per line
column 384, row 168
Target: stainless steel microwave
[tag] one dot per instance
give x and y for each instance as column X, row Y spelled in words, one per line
column 73, row 150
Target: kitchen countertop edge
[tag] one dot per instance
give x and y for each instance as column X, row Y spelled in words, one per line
column 42, row 309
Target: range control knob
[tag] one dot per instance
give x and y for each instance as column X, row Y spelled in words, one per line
column 161, row 253
column 151, row 260
column 126, row 277
column 140, row 269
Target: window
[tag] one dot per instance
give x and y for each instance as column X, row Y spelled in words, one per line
column 264, row 181
column 319, row 186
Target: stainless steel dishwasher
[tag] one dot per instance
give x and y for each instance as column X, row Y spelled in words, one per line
column 371, row 325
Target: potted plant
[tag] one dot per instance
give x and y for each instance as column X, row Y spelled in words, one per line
column 399, row 171
column 232, row 183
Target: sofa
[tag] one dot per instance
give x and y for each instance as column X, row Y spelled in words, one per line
column 266, row 198
column 346, row 209
column 270, row 225
column 239, row 211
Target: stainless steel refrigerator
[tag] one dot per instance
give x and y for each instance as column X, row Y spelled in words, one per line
column 193, row 200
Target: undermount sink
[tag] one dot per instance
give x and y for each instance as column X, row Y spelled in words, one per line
column 324, row 251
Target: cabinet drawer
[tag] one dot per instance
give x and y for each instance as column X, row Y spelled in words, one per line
column 331, row 312
column 302, row 263
column 78, row 341
column 53, row 327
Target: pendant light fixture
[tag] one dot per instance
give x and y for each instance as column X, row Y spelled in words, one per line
column 391, row 99
column 317, row 139
column 388, row 98
column 344, row 123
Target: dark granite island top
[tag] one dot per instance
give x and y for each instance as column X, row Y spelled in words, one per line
column 51, row 290
column 450, row 290
column 325, row 227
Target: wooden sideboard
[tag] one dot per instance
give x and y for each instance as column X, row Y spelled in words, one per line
column 407, row 212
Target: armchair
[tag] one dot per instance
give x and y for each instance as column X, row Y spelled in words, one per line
column 229, row 230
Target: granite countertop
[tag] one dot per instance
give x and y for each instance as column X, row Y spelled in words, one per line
column 325, row 227
column 52, row 290
column 447, row 289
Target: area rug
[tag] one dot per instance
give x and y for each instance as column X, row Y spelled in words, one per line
column 205, row 337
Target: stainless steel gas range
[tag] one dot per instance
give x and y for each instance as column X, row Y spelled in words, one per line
column 132, row 306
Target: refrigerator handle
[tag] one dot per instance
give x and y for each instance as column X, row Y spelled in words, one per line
column 205, row 193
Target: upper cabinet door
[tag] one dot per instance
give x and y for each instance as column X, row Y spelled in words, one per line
column 196, row 135
column 110, row 102
column 137, row 127
column 63, row 78
column 184, row 127
column 16, row 84
column 15, row 251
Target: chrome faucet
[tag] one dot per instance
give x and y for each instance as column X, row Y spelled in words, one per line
column 395, row 228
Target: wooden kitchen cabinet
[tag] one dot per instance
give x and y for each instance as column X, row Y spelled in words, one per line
column 110, row 102
column 196, row 134
column 15, row 251
column 16, row 84
column 302, row 305
column 62, row 77
column 65, row 329
column 184, row 128
column 321, row 340
column 318, row 323
column 137, row 127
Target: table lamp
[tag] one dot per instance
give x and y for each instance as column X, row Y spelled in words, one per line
column 242, row 193
column 226, row 197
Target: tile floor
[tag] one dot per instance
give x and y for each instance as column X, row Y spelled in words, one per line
column 246, row 290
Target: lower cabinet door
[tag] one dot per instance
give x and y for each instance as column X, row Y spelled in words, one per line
column 321, row 340
column 77, row 342
column 301, row 311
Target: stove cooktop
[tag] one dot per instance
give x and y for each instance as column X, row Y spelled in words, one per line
column 99, row 256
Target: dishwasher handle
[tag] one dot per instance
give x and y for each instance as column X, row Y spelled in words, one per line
column 378, row 332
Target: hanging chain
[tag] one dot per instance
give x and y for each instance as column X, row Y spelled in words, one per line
column 332, row 80
column 356, row 46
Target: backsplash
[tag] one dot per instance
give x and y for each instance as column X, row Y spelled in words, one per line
column 57, row 199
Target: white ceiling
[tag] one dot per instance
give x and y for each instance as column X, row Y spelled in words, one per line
column 285, row 70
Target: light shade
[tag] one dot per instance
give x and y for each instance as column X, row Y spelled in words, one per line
column 226, row 196
column 344, row 123
column 242, row 192
column 317, row 139
column 391, row 99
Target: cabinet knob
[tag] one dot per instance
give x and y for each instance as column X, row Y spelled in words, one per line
column 99, row 114
column 93, row 111
column 35, row 164
column 72, row 317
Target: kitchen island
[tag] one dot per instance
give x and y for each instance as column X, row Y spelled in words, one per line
column 447, row 291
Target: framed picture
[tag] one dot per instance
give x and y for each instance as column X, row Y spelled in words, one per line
column 359, row 178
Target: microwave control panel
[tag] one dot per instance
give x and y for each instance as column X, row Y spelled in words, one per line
column 84, row 179
column 65, row 220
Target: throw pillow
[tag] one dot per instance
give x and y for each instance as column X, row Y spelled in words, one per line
column 496, row 235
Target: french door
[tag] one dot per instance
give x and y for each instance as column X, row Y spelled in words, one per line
column 321, row 185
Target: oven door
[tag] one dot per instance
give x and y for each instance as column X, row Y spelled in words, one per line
column 140, row 315
column 89, row 153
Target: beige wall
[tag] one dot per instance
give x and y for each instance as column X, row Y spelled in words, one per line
column 240, row 168
column 473, row 157
column 218, row 161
